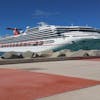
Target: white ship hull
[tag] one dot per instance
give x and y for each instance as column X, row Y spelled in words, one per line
column 58, row 43
column 52, row 37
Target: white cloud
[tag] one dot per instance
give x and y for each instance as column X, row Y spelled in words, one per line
column 40, row 13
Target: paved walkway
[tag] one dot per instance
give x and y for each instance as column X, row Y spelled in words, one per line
column 81, row 76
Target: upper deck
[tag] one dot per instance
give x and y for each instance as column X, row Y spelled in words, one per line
column 45, row 31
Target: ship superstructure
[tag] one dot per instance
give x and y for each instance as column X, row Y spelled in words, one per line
column 47, row 37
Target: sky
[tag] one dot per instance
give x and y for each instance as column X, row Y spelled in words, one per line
column 22, row 13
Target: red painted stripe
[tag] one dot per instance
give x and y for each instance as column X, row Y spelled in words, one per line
column 24, row 85
column 93, row 59
column 34, row 43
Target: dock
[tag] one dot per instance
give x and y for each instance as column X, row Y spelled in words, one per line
column 51, row 80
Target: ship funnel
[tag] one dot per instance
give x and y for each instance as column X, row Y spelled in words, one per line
column 15, row 30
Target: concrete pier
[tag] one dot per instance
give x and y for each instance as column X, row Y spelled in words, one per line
column 57, row 79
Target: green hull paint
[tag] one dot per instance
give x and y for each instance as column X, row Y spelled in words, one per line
column 87, row 44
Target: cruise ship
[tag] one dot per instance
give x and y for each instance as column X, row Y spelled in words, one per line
column 50, row 37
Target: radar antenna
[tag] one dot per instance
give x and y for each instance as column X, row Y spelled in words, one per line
column 42, row 24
